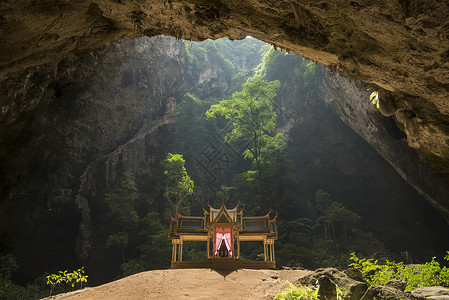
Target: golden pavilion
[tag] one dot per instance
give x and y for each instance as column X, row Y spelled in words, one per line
column 223, row 229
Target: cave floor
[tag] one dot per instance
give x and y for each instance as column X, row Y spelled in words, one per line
column 192, row 284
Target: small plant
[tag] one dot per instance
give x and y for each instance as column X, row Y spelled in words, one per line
column 374, row 98
column 300, row 293
column 77, row 276
column 427, row 274
column 304, row 293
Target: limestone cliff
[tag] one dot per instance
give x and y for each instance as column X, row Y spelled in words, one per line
column 68, row 130
column 399, row 45
column 350, row 100
column 357, row 162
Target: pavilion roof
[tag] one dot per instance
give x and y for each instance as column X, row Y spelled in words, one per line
column 190, row 225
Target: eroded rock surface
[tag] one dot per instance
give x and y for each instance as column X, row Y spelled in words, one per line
column 402, row 46
column 354, row 289
column 93, row 116
column 432, row 292
column 399, row 45
column 68, row 130
column 350, row 100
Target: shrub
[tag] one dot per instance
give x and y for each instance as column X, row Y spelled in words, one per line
column 77, row 276
column 303, row 293
column 427, row 274
column 132, row 267
column 300, row 293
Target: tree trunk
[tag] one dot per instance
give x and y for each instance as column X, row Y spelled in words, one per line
column 333, row 233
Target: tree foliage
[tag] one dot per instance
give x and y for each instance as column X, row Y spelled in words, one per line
column 179, row 185
column 302, row 77
column 334, row 214
column 418, row 275
column 234, row 60
column 137, row 233
column 77, row 276
column 122, row 205
column 253, row 121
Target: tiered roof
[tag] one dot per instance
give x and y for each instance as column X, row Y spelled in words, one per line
column 250, row 228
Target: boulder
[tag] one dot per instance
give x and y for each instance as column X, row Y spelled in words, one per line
column 354, row 289
column 397, row 284
column 432, row 292
column 380, row 292
column 327, row 289
column 354, row 274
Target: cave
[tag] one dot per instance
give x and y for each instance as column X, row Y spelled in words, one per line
column 398, row 47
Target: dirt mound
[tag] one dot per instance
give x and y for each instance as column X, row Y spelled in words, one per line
column 192, row 284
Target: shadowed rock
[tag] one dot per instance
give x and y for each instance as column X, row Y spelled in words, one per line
column 397, row 284
column 327, row 289
column 432, row 292
column 354, row 289
column 379, row 292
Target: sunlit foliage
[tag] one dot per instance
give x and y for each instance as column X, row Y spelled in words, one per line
column 65, row 277
column 415, row 275
column 374, row 98
column 297, row 293
column 179, row 185
column 304, row 293
column 254, row 120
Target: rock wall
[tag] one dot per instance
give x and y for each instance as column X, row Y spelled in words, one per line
column 350, row 100
column 400, row 46
column 346, row 158
column 68, row 131
column 328, row 151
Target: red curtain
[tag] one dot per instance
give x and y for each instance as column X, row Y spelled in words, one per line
column 223, row 234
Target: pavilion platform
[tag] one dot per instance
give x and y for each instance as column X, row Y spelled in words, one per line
column 224, row 263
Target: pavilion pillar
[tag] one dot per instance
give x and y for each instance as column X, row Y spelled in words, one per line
column 233, row 242
column 265, row 250
column 238, row 245
column 176, row 250
column 180, row 250
column 208, row 246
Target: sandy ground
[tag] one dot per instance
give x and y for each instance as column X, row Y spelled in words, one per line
column 192, row 284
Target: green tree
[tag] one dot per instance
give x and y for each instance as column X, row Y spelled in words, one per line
column 322, row 200
column 155, row 247
column 333, row 214
column 194, row 129
column 254, row 121
column 179, row 185
column 122, row 205
column 337, row 213
column 297, row 75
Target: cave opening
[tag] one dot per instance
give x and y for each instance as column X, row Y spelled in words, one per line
column 147, row 97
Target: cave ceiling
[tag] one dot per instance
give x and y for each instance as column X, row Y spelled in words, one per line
column 401, row 46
